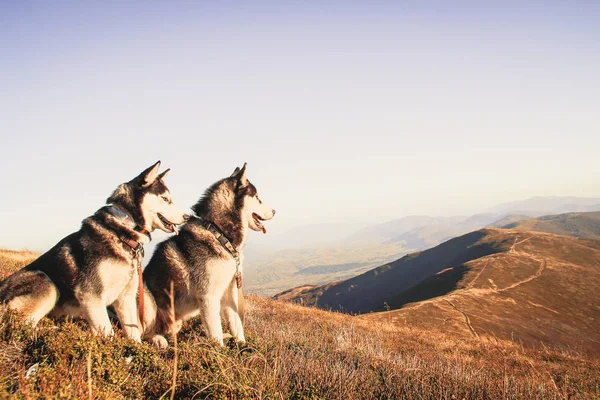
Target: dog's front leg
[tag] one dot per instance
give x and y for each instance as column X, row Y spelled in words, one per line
column 230, row 307
column 126, row 309
column 211, row 317
column 97, row 316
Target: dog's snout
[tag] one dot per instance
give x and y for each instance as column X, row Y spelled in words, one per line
column 186, row 217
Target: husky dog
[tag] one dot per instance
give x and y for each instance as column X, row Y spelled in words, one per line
column 204, row 263
column 96, row 266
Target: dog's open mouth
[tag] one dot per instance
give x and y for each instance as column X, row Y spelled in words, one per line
column 171, row 227
column 258, row 222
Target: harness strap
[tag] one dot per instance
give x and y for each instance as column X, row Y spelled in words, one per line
column 221, row 238
column 226, row 243
column 135, row 245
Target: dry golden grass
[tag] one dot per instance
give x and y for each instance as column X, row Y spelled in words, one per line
column 292, row 352
column 11, row 261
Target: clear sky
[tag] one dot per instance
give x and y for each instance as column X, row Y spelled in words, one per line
column 345, row 111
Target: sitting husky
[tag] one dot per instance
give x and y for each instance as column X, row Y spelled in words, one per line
column 96, row 266
column 204, row 263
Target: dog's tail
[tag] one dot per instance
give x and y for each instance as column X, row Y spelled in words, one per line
column 31, row 292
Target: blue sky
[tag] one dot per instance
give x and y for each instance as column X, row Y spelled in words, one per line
column 345, row 111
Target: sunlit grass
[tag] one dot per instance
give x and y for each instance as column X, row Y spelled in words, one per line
column 292, row 352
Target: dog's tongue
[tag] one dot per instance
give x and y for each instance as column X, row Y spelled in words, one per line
column 264, row 230
column 175, row 231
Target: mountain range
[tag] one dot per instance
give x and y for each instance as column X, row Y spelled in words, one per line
column 330, row 256
column 581, row 225
column 528, row 285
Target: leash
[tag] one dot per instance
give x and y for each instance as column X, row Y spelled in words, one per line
column 138, row 254
column 226, row 243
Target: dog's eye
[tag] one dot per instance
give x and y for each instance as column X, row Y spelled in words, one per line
column 165, row 199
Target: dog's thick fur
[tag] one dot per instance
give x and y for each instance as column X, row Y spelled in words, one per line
column 201, row 269
column 93, row 267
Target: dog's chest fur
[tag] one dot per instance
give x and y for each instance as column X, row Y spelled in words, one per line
column 114, row 277
column 218, row 275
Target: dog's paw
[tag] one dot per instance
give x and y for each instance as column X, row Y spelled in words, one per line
column 159, row 341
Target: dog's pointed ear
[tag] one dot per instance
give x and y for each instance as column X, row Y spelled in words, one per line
column 235, row 172
column 242, row 175
column 149, row 175
column 164, row 174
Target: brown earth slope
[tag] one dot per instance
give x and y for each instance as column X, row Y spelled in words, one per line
column 527, row 286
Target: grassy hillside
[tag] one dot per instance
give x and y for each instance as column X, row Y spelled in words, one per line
column 528, row 286
column 542, row 290
column 292, row 352
column 582, row 225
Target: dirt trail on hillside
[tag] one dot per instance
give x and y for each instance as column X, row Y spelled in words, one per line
column 467, row 319
column 449, row 300
column 537, row 274
column 512, row 248
column 470, row 285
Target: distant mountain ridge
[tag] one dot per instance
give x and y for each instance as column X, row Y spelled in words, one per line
column 585, row 225
column 544, row 205
column 333, row 259
column 389, row 231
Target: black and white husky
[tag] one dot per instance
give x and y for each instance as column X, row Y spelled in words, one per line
column 204, row 262
column 95, row 267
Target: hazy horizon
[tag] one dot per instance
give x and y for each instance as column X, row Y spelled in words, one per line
column 346, row 112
